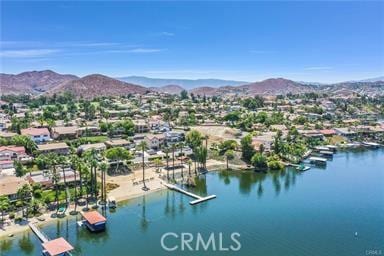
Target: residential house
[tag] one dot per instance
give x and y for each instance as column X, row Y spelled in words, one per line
column 59, row 148
column 154, row 141
column 141, row 126
column 8, row 154
column 118, row 143
column 65, row 132
column 44, row 178
column 9, row 185
column 38, row 135
column 99, row 147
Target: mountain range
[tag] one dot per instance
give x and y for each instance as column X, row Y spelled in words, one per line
column 90, row 86
column 187, row 84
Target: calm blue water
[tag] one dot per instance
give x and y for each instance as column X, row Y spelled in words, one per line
column 283, row 213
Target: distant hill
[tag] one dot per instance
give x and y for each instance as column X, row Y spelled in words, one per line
column 96, row 85
column 371, row 80
column 273, row 86
column 170, row 89
column 276, row 86
column 188, row 84
column 47, row 81
column 32, row 82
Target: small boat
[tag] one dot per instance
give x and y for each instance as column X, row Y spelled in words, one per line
column 61, row 211
column 302, row 168
column 111, row 202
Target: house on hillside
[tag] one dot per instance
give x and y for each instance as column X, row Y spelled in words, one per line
column 60, row 148
column 38, row 135
column 9, row 185
column 154, row 141
column 64, row 132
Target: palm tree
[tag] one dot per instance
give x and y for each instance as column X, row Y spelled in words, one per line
column 143, row 146
column 181, row 159
column 173, row 161
column 167, row 159
column 189, row 167
column 23, row 194
column 62, row 162
column 229, row 155
column 157, row 163
column 103, row 168
column 55, row 176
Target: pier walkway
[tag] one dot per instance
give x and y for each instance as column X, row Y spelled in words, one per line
column 43, row 238
column 199, row 199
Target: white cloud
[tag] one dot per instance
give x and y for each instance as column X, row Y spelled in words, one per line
column 167, row 33
column 27, row 53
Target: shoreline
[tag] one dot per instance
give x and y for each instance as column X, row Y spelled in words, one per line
column 125, row 192
column 17, row 228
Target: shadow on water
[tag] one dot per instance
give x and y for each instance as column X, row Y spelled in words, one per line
column 26, row 245
column 250, row 180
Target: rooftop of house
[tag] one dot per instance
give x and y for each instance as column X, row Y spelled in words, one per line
column 52, row 146
column 17, row 149
column 10, row 184
column 34, row 131
column 65, row 129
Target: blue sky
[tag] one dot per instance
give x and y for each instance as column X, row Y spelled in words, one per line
column 306, row 41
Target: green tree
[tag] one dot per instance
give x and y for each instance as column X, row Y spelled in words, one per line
column 229, row 155
column 246, row 148
column 259, row 161
column 4, row 206
column 184, row 95
column 24, row 195
column 118, row 154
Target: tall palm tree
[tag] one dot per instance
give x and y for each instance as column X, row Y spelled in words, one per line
column 173, row 161
column 181, row 159
column 143, row 146
column 167, row 159
column 189, row 167
column 24, row 193
column 103, row 168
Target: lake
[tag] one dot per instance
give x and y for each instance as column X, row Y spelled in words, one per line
column 316, row 212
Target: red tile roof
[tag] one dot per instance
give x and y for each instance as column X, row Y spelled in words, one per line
column 34, row 131
column 93, row 217
column 57, row 246
column 20, row 150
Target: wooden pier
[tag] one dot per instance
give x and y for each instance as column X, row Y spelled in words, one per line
column 199, row 199
column 43, row 238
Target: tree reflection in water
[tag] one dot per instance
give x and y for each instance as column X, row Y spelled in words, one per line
column 26, row 244
column 250, row 180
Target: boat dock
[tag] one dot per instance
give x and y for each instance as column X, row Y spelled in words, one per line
column 43, row 238
column 53, row 247
column 199, row 199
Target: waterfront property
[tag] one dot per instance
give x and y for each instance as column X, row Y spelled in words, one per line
column 94, row 221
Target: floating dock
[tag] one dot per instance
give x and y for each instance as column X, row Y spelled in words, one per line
column 199, row 199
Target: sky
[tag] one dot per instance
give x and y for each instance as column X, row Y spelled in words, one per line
column 326, row 41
